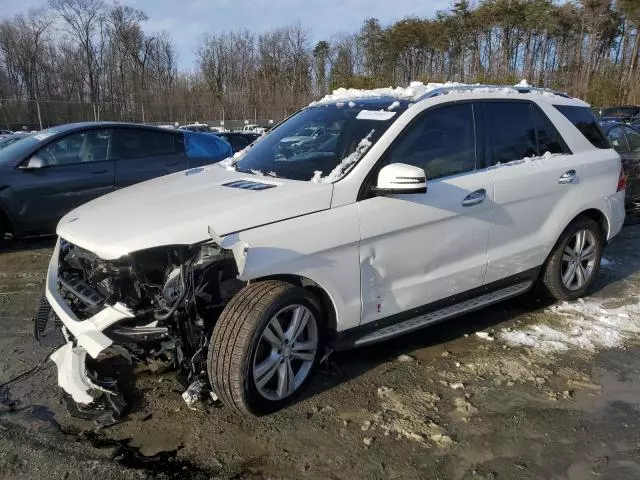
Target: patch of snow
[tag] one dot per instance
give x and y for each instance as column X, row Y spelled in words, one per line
column 414, row 91
column 605, row 262
column 531, row 161
column 343, row 167
column 586, row 325
column 352, row 104
column 375, row 115
column 228, row 163
column 484, row 336
column 256, row 172
column 393, row 106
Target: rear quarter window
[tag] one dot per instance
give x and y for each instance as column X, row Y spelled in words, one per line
column 584, row 120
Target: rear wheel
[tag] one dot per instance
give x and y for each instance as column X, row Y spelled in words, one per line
column 265, row 347
column 575, row 260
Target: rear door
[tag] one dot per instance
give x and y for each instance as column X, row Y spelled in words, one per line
column 142, row 154
column 631, row 162
column 78, row 170
column 533, row 196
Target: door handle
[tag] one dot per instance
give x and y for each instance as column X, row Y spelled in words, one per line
column 99, row 172
column 567, row 177
column 474, row 198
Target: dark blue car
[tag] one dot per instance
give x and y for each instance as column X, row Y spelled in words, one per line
column 47, row 174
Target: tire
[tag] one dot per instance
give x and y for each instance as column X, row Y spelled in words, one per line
column 558, row 262
column 240, row 343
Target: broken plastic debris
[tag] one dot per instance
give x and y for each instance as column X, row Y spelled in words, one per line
column 194, row 393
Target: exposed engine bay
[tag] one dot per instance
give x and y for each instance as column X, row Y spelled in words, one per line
column 172, row 296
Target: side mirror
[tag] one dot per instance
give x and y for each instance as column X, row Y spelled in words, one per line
column 34, row 163
column 401, row 178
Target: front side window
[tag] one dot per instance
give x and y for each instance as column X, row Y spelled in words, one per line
column 583, row 119
column 633, row 138
column 616, row 137
column 137, row 143
column 81, row 147
column 441, row 142
column 320, row 143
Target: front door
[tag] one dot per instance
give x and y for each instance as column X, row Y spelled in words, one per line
column 77, row 170
column 420, row 248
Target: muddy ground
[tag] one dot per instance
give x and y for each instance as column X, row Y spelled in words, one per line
column 543, row 391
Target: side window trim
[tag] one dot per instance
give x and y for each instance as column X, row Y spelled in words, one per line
column 365, row 188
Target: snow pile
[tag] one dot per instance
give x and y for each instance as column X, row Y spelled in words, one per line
column 228, row 162
column 346, row 163
column 585, row 325
column 414, row 91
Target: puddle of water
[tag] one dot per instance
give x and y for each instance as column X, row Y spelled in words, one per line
column 164, row 463
column 612, row 389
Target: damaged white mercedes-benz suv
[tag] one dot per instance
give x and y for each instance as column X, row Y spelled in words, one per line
column 393, row 209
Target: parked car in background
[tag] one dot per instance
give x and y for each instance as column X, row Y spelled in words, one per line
column 253, row 128
column 626, row 113
column 5, row 132
column 196, row 127
column 238, row 140
column 44, row 175
column 626, row 141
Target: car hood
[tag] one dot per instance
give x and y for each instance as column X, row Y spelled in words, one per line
column 178, row 209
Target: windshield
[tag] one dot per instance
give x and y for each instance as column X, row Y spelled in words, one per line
column 18, row 149
column 331, row 139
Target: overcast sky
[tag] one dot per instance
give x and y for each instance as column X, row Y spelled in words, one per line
column 188, row 20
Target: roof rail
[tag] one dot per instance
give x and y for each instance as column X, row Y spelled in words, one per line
column 520, row 89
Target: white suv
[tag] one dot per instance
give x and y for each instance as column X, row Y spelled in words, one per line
column 424, row 203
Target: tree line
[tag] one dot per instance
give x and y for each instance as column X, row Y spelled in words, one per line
column 87, row 59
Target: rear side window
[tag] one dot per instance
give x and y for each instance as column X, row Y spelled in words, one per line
column 512, row 130
column 633, row 138
column 134, row 143
column 584, row 120
column 549, row 139
column 617, row 139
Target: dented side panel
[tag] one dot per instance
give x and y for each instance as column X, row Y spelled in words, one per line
column 420, row 248
column 321, row 246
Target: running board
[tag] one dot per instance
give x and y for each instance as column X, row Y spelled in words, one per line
column 443, row 314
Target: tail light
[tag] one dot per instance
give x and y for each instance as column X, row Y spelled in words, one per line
column 622, row 180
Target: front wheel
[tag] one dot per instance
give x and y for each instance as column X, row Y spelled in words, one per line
column 575, row 260
column 265, row 347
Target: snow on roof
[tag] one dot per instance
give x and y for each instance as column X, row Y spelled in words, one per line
column 416, row 90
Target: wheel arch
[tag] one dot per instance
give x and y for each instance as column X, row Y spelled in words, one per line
column 597, row 216
column 326, row 301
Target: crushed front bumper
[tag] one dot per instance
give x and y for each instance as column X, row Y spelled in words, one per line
column 83, row 336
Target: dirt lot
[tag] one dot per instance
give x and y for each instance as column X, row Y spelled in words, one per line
column 522, row 390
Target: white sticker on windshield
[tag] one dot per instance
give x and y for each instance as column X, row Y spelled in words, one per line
column 43, row 136
column 379, row 115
